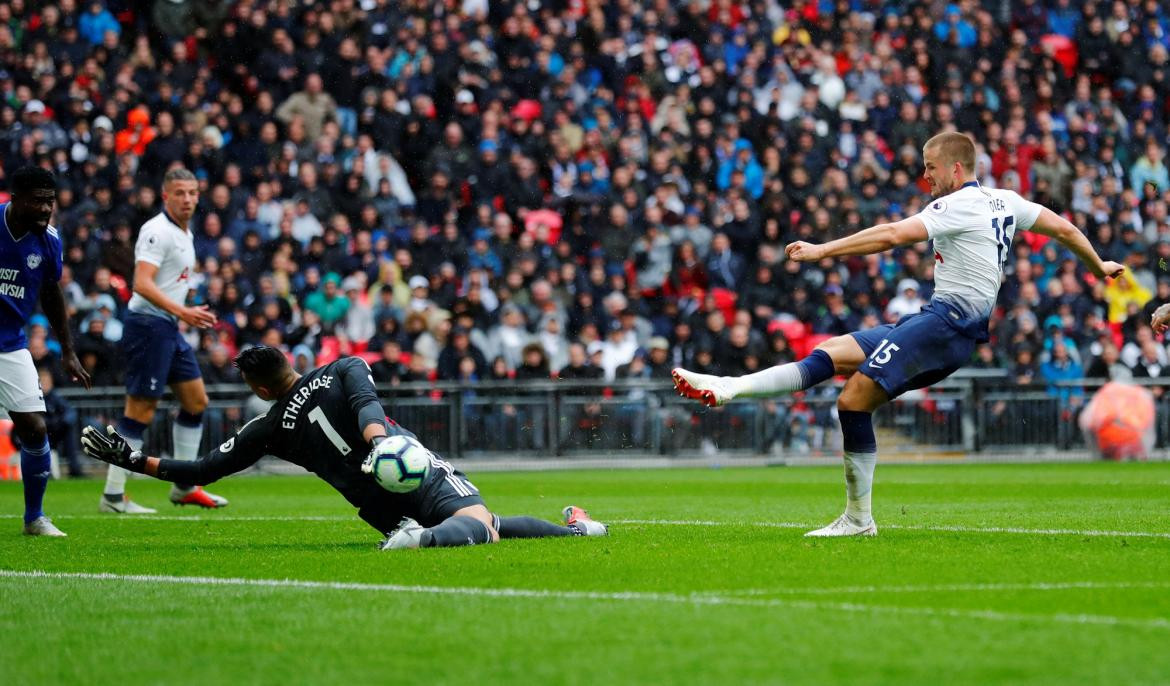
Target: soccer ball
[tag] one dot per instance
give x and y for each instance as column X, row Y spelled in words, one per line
column 1119, row 422
column 400, row 464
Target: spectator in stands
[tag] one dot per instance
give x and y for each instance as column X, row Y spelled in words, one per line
column 328, row 302
column 1109, row 365
column 725, row 269
column 1059, row 370
column 389, row 369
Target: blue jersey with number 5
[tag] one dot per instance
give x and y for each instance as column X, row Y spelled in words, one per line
column 24, row 265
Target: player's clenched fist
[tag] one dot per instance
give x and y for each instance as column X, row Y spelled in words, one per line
column 110, row 446
column 804, row 252
column 1111, row 269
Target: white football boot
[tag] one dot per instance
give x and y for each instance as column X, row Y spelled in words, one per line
column 43, row 526
column 407, row 535
column 579, row 518
column 123, row 506
column 710, row 390
column 845, row 526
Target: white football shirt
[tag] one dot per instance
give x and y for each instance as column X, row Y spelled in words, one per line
column 972, row 230
column 162, row 243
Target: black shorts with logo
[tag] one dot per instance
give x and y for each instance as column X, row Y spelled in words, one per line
column 445, row 492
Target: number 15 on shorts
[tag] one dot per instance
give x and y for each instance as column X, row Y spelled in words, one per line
column 882, row 354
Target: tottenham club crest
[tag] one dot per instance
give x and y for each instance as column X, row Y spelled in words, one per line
column 34, row 261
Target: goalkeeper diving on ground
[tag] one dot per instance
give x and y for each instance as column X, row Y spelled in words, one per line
column 328, row 421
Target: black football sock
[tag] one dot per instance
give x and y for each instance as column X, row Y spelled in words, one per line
column 456, row 531
column 530, row 527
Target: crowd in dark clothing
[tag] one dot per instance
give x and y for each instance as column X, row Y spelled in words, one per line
column 446, row 188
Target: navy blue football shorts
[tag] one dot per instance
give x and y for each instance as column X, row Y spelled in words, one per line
column 156, row 355
column 920, row 350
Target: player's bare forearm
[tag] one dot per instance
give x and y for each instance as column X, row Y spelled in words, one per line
column 145, row 286
column 1067, row 234
column 53, row 304
column 875, row 239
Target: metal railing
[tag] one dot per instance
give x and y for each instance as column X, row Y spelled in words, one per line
column 971, row 414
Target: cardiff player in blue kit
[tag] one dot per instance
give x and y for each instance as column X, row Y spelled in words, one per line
column 30, row 267
column 972, row 229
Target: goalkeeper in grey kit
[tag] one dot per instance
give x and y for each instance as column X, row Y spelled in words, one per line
column 327, row 421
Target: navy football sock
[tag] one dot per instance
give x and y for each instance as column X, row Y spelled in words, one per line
column 456, row 531
column 530, row 527
column 34, row 470
column 815, row 368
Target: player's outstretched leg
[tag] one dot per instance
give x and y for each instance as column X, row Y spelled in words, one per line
column 840, row 355
column 577, row 523
column 459, row 530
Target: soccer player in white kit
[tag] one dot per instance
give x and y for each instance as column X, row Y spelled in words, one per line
column 156, row 354
column 972, row 229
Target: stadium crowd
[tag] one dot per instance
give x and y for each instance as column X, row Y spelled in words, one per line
column 583, row 189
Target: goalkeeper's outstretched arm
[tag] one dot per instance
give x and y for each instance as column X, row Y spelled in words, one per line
column 235, row 454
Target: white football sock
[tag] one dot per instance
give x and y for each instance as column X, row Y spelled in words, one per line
column 116, row 476
column 783, row 378
column 859, row 485
column 187, row 440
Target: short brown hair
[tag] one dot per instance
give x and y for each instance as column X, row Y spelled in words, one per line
column 954, row 147
column 178, row 174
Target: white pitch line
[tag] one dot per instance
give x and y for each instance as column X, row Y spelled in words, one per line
column 674, row 598
column 943, row 588
column 908, row 527
column 645, row 522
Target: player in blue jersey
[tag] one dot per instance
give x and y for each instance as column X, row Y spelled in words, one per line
column 30, row 267
column 157, row 355
column 972, row 229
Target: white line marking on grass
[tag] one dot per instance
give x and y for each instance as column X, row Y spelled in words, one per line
column 942, row 588
column 908, row 527
column 646, row 522
column 675, row 598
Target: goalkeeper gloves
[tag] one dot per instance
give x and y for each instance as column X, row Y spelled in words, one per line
column 368, row 464
column 110, row 446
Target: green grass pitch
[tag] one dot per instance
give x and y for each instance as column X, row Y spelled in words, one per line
column 982, row 574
